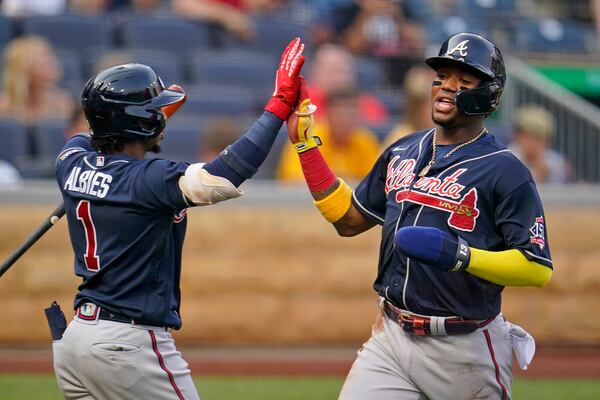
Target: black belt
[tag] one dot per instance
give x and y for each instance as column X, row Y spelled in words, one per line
column 434, row 326
column 101, row 313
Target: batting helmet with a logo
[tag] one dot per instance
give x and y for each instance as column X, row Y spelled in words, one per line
column 481, row 57
column 126, row 101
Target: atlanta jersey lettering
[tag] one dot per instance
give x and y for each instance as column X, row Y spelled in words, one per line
column 482, row 193
column 131, row 267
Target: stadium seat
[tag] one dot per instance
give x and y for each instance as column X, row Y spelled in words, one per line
column 220, row 99
column 6, row 31
column 84, row 34
column 552, row 35
column 50, row 138
column 182, row 139
column 370, row 73
column 490, row 8
column 170, row 34
column 169, row 68
column 439, row 29
column 73, row 77
column 244, row 68
column 13, row 139
column 273, row 34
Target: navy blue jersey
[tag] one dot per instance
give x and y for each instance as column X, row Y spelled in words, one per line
column 127, row 225
column 482, row 192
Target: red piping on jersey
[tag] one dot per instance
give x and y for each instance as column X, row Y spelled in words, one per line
column 163, row 366
column 491, row 349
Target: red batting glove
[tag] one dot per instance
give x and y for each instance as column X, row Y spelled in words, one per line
column 287, row 81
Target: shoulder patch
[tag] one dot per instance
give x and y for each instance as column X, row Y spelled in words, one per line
column 537, row 233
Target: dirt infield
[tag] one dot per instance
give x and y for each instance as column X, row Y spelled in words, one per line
column 549, row 362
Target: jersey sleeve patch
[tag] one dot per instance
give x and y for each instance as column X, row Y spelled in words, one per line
column 520, row 218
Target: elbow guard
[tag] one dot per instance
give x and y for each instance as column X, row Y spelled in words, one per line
column 203, row 188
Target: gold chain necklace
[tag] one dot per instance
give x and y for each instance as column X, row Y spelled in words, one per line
column 426, row 168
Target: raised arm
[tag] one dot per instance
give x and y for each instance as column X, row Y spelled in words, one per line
column 218, row 179
column 332, row 196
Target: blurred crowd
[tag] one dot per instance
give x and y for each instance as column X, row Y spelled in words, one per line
column 365, row 70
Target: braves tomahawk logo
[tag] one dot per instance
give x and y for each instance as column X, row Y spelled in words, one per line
column 442, row 194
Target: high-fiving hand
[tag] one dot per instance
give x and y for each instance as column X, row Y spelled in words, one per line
column 301, row 123
column 287, row 81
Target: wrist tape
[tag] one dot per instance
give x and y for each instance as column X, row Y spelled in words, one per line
column 310, row 143
column 337, row 204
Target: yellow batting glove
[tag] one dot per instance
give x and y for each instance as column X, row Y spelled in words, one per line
column 301, row 126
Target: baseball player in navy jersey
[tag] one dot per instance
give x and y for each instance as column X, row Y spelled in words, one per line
column 461, row 219
column 127, row 221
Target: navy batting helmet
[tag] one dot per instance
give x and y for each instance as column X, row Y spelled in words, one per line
column 126, row 101
column 481, row 57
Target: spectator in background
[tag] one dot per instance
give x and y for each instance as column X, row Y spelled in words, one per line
column 417, row 105
column 533, row 131
column 349, row 148
column 27, row 8
column 219, row 134
column 235, row 16
column 30, row 77
column 380, row 28
column 333, row 69
column 104, row 6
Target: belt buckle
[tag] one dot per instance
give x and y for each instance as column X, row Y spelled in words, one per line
column 413, row 324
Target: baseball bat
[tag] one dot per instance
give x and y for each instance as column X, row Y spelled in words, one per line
column 60, row 210
column 43, row 228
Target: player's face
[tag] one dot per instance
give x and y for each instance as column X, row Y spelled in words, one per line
column 448, row 81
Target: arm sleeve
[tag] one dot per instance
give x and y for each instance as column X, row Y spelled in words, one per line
column 521, row 222
column 508, row 268
column 369, row 197
column 241, row 160
column 158, row 185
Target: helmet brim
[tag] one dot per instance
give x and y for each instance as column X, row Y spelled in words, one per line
column 441, row 61
column 165, row 98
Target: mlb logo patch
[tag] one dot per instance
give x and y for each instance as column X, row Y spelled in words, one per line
column 88, row 311
column 537, row 233
column 100, row 161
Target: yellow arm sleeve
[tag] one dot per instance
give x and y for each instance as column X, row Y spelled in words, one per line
column 508, row 268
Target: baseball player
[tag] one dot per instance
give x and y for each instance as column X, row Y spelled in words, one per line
column 461, row 218
column 127, row 220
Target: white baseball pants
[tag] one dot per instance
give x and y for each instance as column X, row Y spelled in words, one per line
column 112, row 360
column 395, row 365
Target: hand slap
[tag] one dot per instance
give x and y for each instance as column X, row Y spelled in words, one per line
column 287, row 80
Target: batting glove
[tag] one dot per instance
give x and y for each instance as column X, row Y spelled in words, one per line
column 301, row 123
column 287, row 81
column 434, row 247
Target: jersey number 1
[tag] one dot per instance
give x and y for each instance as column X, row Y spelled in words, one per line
column 84, row 214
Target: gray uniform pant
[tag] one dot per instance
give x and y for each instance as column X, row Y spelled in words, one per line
column 395, row 365
column 113, row 360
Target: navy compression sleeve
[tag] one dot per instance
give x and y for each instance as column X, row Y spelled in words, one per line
column 241, row 160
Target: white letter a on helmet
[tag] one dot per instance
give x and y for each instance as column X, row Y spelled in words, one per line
column 461, row 48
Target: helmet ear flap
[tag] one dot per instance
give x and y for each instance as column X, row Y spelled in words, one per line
column 482, row 100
